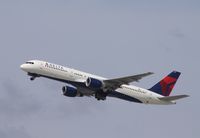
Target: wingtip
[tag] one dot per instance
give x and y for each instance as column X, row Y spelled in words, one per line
column 150, row 73
column 187, row 95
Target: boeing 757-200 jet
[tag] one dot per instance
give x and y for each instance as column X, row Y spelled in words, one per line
column 80, row 84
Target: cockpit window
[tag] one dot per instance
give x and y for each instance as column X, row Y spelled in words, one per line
column 29, row 62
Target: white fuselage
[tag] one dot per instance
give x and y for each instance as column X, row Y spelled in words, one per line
column 50, row 70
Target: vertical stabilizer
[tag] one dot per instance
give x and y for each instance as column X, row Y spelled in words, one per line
column 165, row 86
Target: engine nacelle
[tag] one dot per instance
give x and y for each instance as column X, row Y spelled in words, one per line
column 94, row 83
column 69, row 91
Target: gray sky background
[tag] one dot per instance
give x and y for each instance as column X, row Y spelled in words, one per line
column 111, row 38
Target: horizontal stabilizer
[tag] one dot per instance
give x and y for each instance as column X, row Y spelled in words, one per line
column 173, row 98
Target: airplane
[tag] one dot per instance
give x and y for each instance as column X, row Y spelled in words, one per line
column 79, row 84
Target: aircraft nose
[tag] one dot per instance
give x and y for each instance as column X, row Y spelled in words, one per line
column 22, row 67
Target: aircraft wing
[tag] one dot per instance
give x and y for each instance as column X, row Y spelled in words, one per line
column 113, row 84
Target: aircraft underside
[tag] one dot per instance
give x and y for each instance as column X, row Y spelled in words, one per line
column 98, row 94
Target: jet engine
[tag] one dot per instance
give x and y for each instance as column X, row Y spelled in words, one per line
column 70, row 91
column 94, row 83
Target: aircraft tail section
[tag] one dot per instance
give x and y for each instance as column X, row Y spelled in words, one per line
column 165, row 86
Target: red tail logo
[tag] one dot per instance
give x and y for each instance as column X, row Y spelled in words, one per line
column 165, row 86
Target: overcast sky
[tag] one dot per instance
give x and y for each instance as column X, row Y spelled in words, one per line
column 111, row 38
